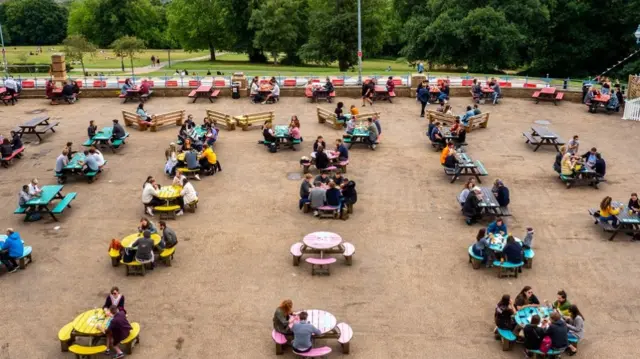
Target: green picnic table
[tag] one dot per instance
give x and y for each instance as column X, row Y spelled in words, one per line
column 74, row 167
column 281, row 132
column 102, row 138
column 41, row 204
column 201, row 131
column 360, row 135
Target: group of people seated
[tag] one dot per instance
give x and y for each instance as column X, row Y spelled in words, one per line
column 616, row 99
column 70, row 91
column 471, row 196
column 93, row 159
column 565, row 322
column 337, row 191
column 193, row 146
column 151, row 193
column 321, row 158
column 608, row 212
column 295, row 327
column 293, row 134
column 7, row 146
column 569, row 164
column 435, row 132
column 119, row 327
column 477, row 93
column 314, row 89
column 512, row 252
column 259, row 93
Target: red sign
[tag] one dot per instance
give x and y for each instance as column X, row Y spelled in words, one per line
column 359, row 53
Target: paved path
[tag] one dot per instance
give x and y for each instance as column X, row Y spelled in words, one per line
column 146, row 69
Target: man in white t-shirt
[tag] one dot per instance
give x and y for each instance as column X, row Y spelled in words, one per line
column 34, row 190
column 274, row 95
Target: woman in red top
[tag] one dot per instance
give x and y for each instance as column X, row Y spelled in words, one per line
column 390, row 84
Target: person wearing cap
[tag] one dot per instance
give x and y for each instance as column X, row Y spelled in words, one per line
column 14, row 247
column 118, row 131
column 34, row 190
column 144, row 248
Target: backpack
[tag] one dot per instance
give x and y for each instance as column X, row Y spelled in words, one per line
column 545, row 346
column 273, row 148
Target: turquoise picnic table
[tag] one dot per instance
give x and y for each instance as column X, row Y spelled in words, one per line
column 360, row 134
column 75, row 168
column 42, row 203
column 200, row 132
column 524, row 315
column 102, row 138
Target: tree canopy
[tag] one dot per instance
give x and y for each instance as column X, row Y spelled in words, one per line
column 34, row 22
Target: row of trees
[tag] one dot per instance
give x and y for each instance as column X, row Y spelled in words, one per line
column 559, row 37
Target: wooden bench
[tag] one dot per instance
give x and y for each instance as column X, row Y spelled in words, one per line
column 349, row 251
column 536, row 96
column 320, row 265
column 435, row 116
column 166, row 256
column 15, row 154
column 296, row 252
column 478, row 121
column 65, row 337
column 346, row 333
column 328, row 212
column 145, row 96
column 214, row 95
column 534, row 140
column 328, row 117
column 507, row 338
column 132, row 340
column 315, row 352
column 173, row 117
column 131, row 119
column 10, row 98
column 476, row 261
column 167, row 212
column 506, row 269
column 247, row 121
column 342, row 165
column 64, row 203
column 82, row 351
column 134, row 268
column 221, row 119
column 280, row 341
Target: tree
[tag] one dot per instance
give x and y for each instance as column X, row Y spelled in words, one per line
column 279, row 26
column 333, row 31
column 201, row 24
column 128, row 46
column 35, row 22
column 239, row 16
column 76, row 47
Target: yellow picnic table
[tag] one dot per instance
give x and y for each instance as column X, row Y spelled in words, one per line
column 130, row 239
column 180, row 156
column 169, row 192
column 88, row 323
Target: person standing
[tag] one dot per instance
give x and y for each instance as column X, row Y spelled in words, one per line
column 423, row 97
column 153, row 61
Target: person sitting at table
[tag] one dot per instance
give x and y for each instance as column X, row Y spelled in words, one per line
column 254, row 92
column 90, row 163
column 147, row 225
column 338, row 179
column 303, row 331
column 169, row 239
column 62, row 161
column 334, row 197
column 456, row 127
column 16, row 141
column 48, row 90
column 340, row 112
column 317, row 197
column 274, row 95
column 613, row 104
column 462, row 197
column 67, row 93
column 305, row 189
column 150, row 196
column 465, row 118
column 5, row 149
column 481, row 247
column 568, row 164
column 600, row 167
column 558, row 332
column 436, row 134
column 476, row 90
column 328, row 86
column 606, row 86
column 573, row 145
column 118, row 330
column 350, row 126
column 391, row 86
column 186, row 145
column 34, row 189
column 209, row 161
column 282, row 316
column 496, row 92
column 145, row 118
column 343, row 152
column 562, row 304
column 354, row 110
column 179, row 178
column 608, row 213
column 590, row 157
column 319, row 142
column 323, row 178
column 526, row 299
column 188, row 195
column 294, row 133
column 92, row 129
column 376, row 121
column 70, row 151
column 502, row 193
column 171, row 154
column 349, row 193
column 471, row 209
column 512, row 252
column 191, row 159
column 451, row 161
column 575, row 324
column 145, row 86
column 634, row 204
column 620, row 97
column 557, row 164
column 13, row 249
column 211, row 136
column 126, row 87
column 24, row 196
column 497, row 227
column 268, row 134
column 93, row 151
column 503, row 315
column 533, row 335
column 373, row 134
column 444, row 92
column 115, row 298
column 445, row 152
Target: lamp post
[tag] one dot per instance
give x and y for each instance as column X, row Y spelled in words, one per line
column 360, row 45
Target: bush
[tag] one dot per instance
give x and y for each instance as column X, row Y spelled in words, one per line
column 33, row 68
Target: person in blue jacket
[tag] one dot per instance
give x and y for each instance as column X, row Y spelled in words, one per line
column 423, row 97
column 497, row 227
column 15, row 249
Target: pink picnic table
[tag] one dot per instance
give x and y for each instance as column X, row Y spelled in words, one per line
column 331, row 154
column 322, row 240
column 323, row 320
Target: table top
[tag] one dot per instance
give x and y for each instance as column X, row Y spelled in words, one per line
column 48, row 193
column 488, row 199
column 624, row 216
column 434, row 89
column 128, row 241
column 3, row 237
column 169, row 192
column 498, row 242
column 3, row 90
column 601, row 98
column 203, row 88
column 543, row 131
column 104, row 134
column 74, row 164
column 88, row 322
column 360, row 132
column 323, row 320
column 446, row 133
column 35, row 121
column 330, row 154
column 322, row 240
column 465, row 160
column 548, row 90
column 523, row 316
column 380, row 88
column 180, row 156
column 281, row 131
column 487, row 90
column 135, row 89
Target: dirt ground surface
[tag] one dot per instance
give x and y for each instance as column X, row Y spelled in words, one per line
column 410, row 293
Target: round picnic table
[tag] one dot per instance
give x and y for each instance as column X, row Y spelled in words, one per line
column 322, row 240
column 523, row 316
column 128, row 241
column 331, row 154
column 323, row 320
column 169, row 192
column 87, row 323
column 499, row 241
column 180, row 156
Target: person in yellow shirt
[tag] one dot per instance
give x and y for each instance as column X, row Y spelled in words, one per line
column 209, row 161
column 608, row 212
column 445, row 153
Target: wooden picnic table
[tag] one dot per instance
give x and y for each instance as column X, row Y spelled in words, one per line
column 127, row 242
column 542, row 136
column 88, row 323
column 381, row 93
column 598, row 101
column 132, row 94
column 548, row 94
column 36, row 126
column 628, row 222
column 466, row 167
column 102, row 139
column 202, row 91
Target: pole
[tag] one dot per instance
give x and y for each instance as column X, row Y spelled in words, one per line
column 4, row 52
column 169, row 56
column 359, row 45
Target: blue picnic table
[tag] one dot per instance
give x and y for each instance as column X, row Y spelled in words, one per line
column 42, row 203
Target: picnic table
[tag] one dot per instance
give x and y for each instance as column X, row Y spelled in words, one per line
column 323, row 320
column 360, row 135
column 524, row 315
column 629, row 222
column 322, row 242
column 498, row 241
column 36, row 126
column 434, row 92
column 169, row 193
column 201, row 91
column 598, row 101
column 466, row 167
column 584, row 176
column 548, row 94
column 542, row 136
column 132, row 94
column 281, row 132
column 332, row 155
column 200, row 131
column 41, row 204
column 87, row 324
column 127, row 242
column 447, row 135
column 382, row 93
column 103, row 137
column 490, row 206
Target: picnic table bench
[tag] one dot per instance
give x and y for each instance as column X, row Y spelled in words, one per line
column 221, row 119
column 36, row 126
column 628, row 222
column 103, row 137
column 318, row 92
column 466, row 167
column 134, row 94
column 584, row 176
column 598, row 101
column 443, row 118
column 41, row 204
column 246, row 121
column 548, row 94
column 74, row 168
column 6, row 98
column 360, row 135
column 542, row 136
column 204, row 91
column 17, row 153
column 381, row 93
